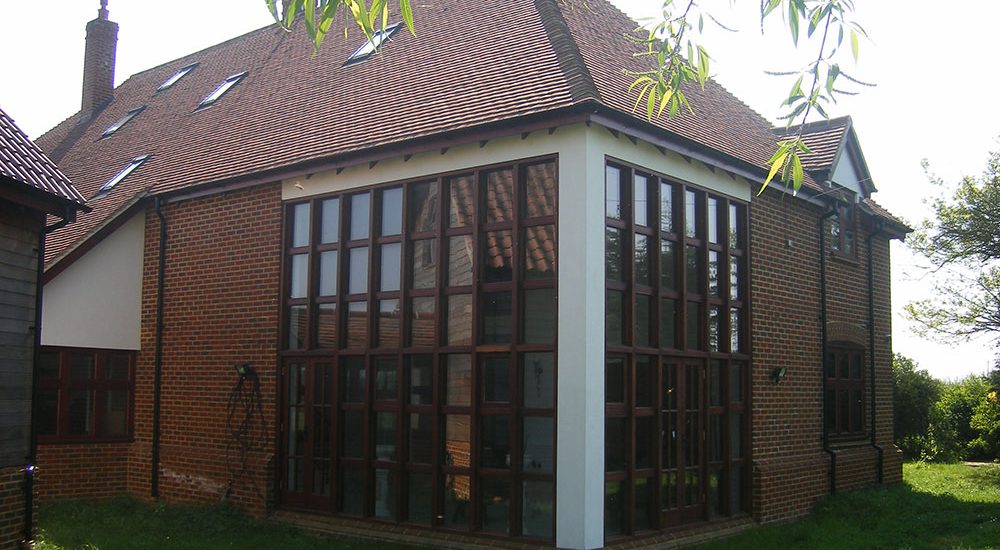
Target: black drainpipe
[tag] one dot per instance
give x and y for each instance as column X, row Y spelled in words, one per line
column 154, row 479
column 822, row 322
column 871, row 345
column 29, row 470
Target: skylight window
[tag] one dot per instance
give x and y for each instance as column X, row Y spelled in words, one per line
column 122, row 121
column 370, row 46
column 177, row 76
column 132, row 165
column 222, row 89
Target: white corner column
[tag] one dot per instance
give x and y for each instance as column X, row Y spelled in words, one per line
column 580, row 432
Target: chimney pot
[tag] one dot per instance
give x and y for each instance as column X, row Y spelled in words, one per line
column 99, row 61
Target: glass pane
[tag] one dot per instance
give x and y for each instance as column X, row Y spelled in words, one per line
column 385, row 379
column 736, row 490
column 48, row 365
column 614, row 508
column 736, row 382
column 500, row 196
column 540, row 316
column 690, row 214
column 714, row 437
column 614, row 326
column 613, row 196
column 614, row 444
column 461, row 201
column 643, row 319
column 713, row 220
column 354, row 430
column 855, row 365
column 456, row 441
column 457, row 492
column 843, row 361
column 713, row 272
column 614, row 380
column 357, row 325
column 736, row 435
column 668, row 265
column 642, row 514
column 693, row 326
column 116, row 367
column 640, row 203
column 423, row 205
column 385, row 494
column 856, row 406
column 295, row 481
column 538, row 380
column 644, row 438
column 735, row 342
column 360, row 207
column 352, row 379
column 734, row 240
column 424, row 264
column 497, row 254
column 540, row 189
column 734, row 278
column 330, row 220
column 459, row 320
column 389, row 269
column 420, row 500
column 537, row 504
column 115, row 412
column 327, row 273
column 668, row 490
column 692, row 488
column 495, row 504
column 46, row 411
column 715, row 481
column 300, row 225
column 495, row 442
column 496, row 380
column 388, row 323
column 297, row 327
column 668, row 323
column 459, row 376
column 326, row 325
column 81, row 412
column 614, row 268
column 715, row 383
column 422, row 322
column 538, row 438
column 460, row 260
column 421, row 436
column 643, row 263
column 299, row 276
column 539, row 252
column 392, row 211
column 358, row 278
column 421, row 373
column 714, row 327
column 666, row 207
column 645, row 383
column 352, row 491
column 496, row 318
column 385, row 436
column 693, row 263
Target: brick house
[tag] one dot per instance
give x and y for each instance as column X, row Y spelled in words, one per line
column 31, row 187
column 467, row 291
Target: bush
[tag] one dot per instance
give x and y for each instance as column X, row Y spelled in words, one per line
column 950, row 433
column 914, row 393
column 986, row 420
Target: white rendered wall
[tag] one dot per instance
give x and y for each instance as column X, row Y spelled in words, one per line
column 95, row 302
column 846, row 174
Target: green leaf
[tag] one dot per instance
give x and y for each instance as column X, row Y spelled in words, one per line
column 854, row 45
column 798, row 175
column 793, row 22
column 291, row 8
column 776, row 162
column 273, row 8
column 406, row 11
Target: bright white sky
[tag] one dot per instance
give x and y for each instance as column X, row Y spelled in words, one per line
column 935, row 97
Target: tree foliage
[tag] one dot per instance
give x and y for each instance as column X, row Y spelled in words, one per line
column 914, row 393
column 962, row 242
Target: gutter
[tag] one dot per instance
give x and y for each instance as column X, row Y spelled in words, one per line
column 880, row 228
column 823, row 344
column 154, row 479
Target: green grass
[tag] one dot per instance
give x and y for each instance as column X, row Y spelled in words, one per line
column 937, row 506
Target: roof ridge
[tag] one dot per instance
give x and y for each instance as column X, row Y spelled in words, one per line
column 581, row 83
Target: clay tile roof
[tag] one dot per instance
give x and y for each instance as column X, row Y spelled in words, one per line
column 881, row 212
column 824, row 139
column 22, row 161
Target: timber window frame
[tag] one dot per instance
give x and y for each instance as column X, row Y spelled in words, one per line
column 844, row 402
column 843, row 230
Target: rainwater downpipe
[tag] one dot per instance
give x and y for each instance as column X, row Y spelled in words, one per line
column 822, row 323
column 871, row 346
column 154, row 477
column 29, row 470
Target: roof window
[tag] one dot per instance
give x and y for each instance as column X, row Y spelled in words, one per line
column 370, row 46
column 222, row 89
column 132, row 165
column 122, row 121
column 177, row 76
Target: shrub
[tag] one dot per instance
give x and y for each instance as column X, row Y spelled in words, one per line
column 950, row 431
column 914, row 393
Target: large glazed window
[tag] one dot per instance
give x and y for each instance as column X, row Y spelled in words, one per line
column 844, row 401
column 84, row 395
column 419, row 334
column 677, row 361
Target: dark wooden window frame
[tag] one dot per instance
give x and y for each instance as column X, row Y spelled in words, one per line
column 98, row 386
column 843, row 230
column 516, row 351
column 845, row 380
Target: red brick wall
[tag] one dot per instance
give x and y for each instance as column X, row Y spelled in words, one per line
column 791, row 468
column 11, row 507
column 221, row 291
column 81, row 470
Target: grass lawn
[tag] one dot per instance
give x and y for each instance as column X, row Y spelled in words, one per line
column 938, row 506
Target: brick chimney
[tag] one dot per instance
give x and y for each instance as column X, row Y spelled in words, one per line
column 99, row 61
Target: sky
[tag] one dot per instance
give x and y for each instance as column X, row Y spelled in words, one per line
column 934, row 97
